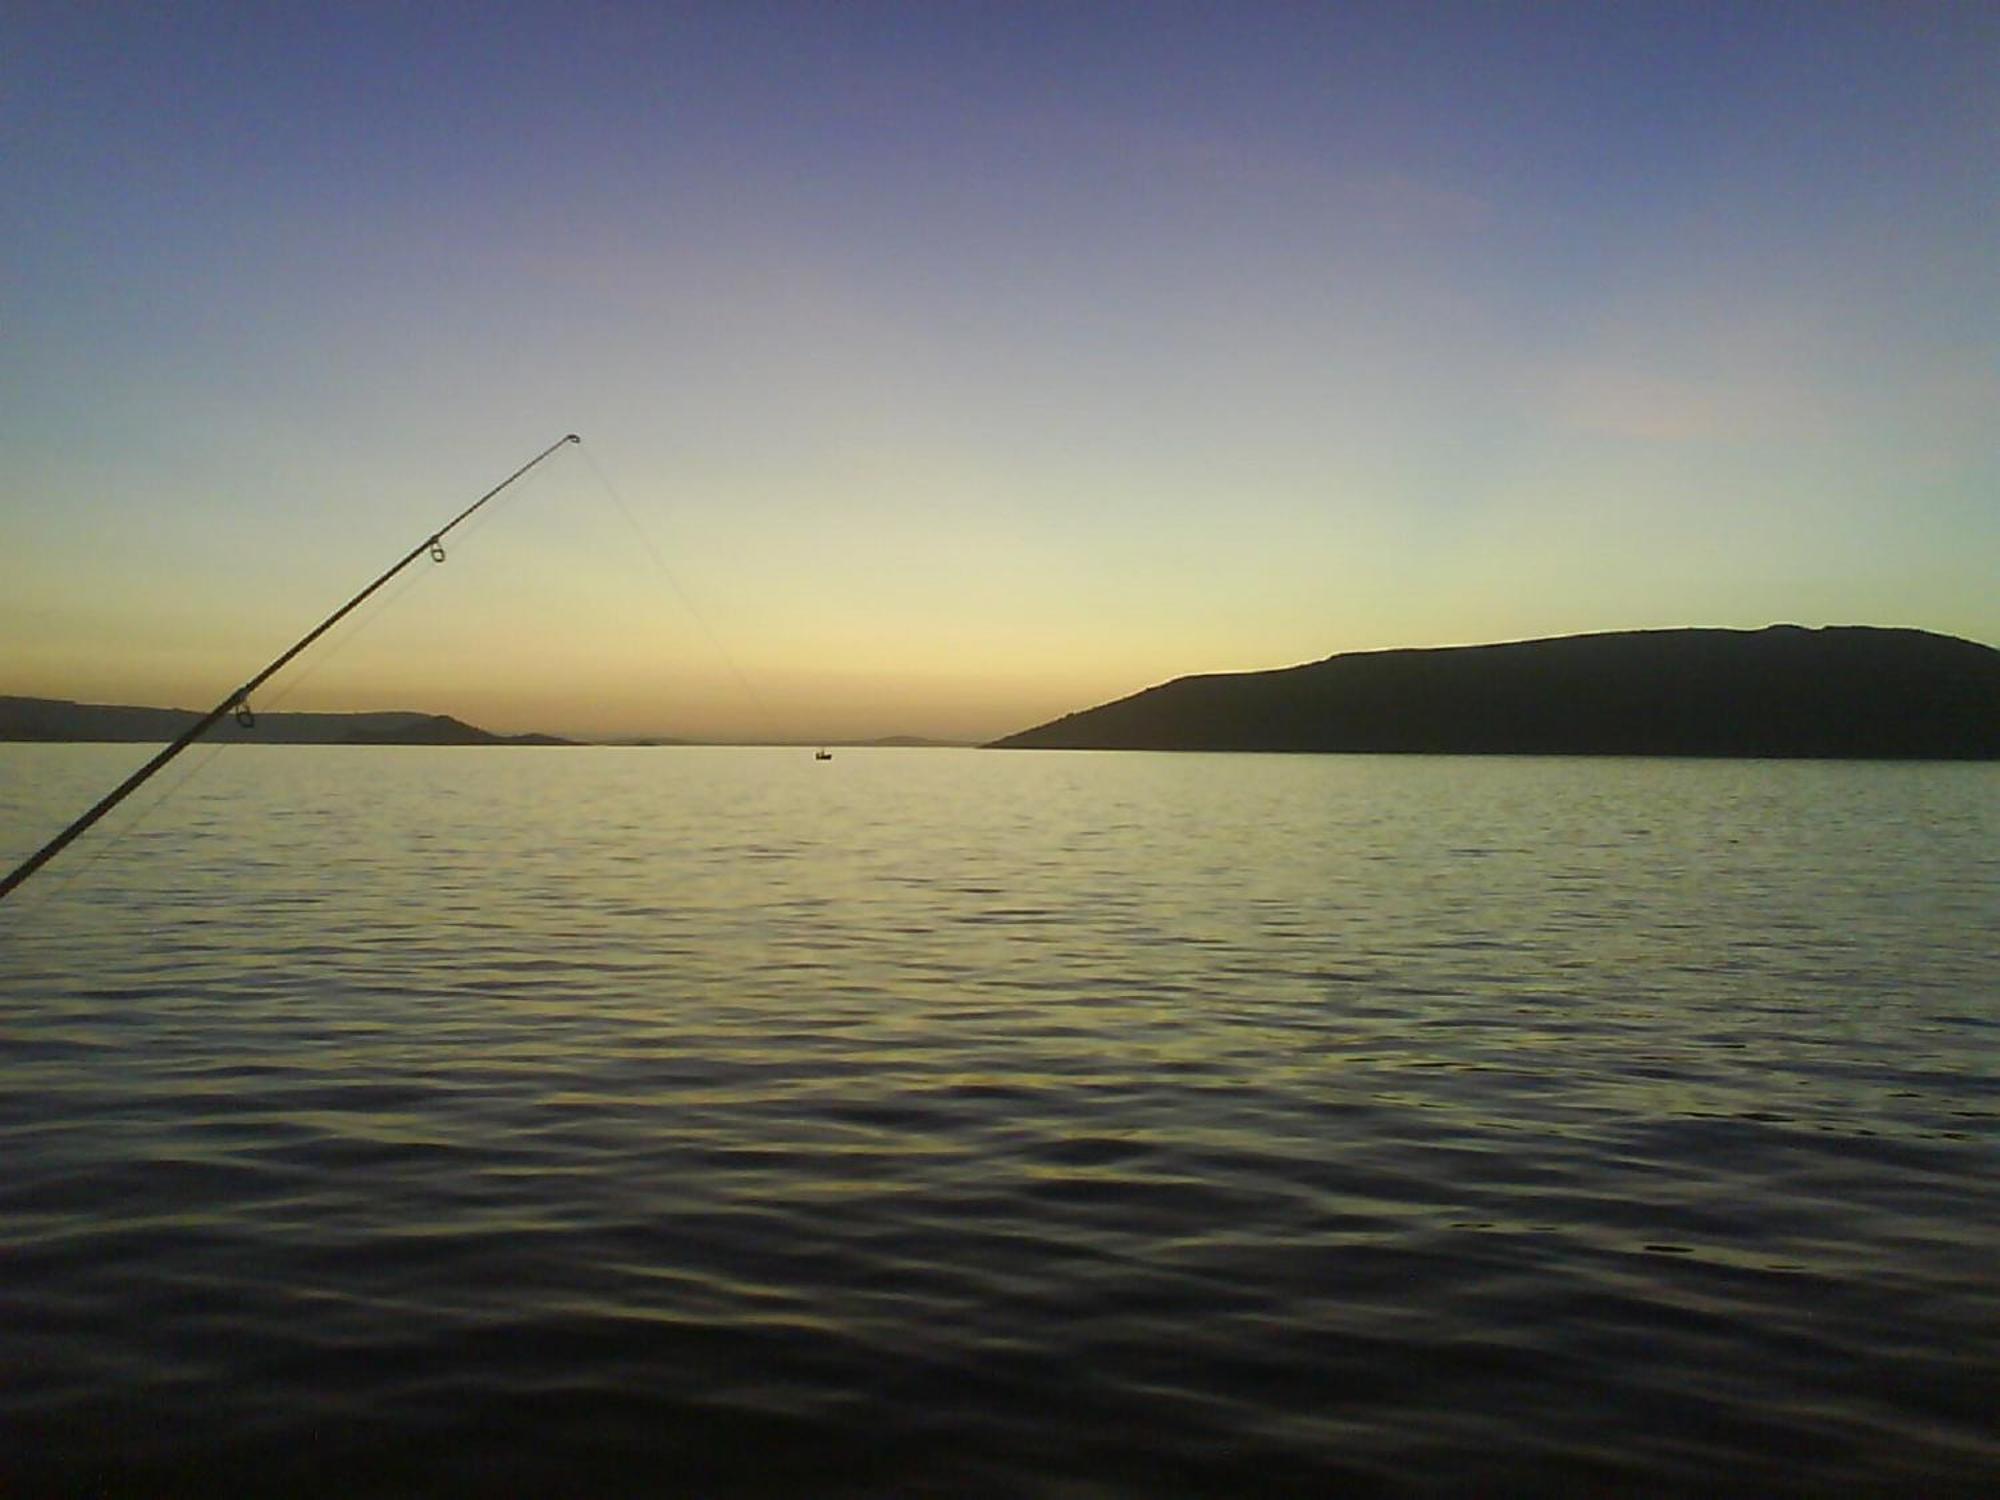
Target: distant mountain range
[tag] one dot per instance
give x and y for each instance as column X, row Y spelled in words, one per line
column 58, row 719
column 1852, row 691
column 62, row 721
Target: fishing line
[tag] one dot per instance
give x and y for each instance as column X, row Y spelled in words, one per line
column 756, row 698
column 132, row 824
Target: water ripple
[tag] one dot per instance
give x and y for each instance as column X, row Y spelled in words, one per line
column 983, row 1125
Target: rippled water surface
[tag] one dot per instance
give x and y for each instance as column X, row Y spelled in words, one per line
column 715, row 1122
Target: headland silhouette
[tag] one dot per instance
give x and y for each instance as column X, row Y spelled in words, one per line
column 1846, row 692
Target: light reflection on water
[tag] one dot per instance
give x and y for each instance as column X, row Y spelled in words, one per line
column 981, row 1123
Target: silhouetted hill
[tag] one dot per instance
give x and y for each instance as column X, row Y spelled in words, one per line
column 1845, row 691
column 443, row 729
column 58, row 719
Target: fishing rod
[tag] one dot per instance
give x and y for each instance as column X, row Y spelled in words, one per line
column 238, row 702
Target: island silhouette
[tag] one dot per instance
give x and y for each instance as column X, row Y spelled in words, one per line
column 1847, row 692
column 58, row 719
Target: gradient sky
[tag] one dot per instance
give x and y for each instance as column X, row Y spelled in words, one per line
column 943, row 368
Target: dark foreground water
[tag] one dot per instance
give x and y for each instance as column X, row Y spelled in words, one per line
column 954, row 1123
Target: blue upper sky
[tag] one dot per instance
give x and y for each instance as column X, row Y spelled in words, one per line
column 946, row 367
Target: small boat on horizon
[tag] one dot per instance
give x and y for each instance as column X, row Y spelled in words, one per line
column 823, row 754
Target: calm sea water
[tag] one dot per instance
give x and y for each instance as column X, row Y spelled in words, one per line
column 715, row 1122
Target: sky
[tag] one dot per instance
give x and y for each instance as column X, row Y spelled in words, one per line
column 944, row 368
